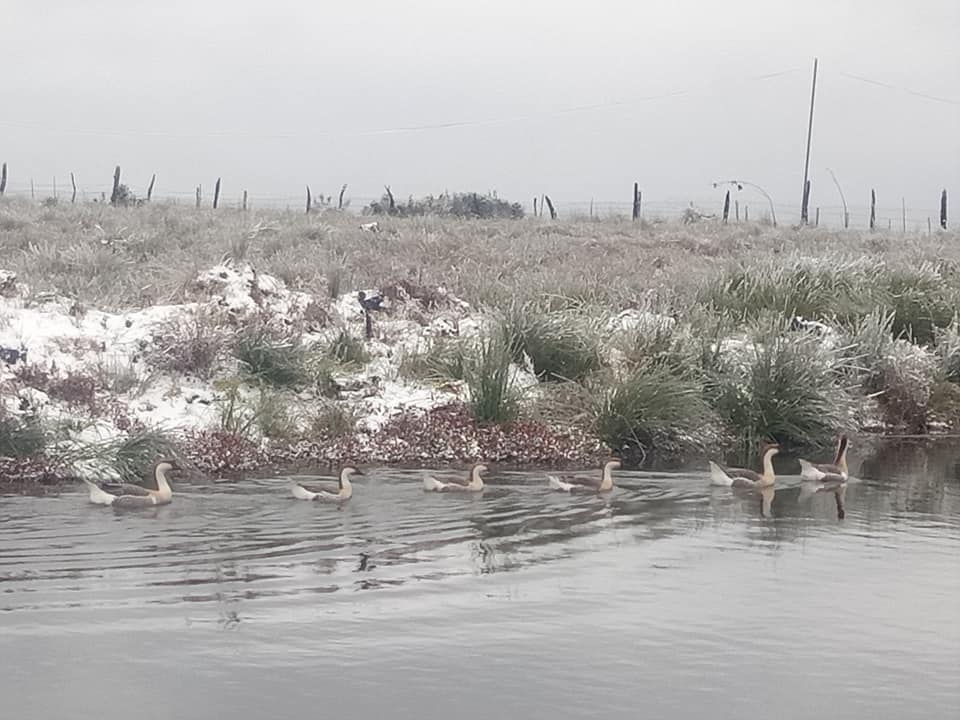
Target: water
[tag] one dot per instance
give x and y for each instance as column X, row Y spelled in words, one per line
column 669, row 596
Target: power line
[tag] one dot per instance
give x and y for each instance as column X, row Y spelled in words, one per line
column 399, row 129
column 908, row 91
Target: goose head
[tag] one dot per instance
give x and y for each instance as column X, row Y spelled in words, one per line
column 345, row 474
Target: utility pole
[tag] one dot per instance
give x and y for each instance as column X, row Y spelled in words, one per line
column 805, row 197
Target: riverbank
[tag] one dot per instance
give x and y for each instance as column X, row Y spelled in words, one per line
column 237, row 340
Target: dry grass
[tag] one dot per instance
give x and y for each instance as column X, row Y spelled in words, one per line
column 115, row 257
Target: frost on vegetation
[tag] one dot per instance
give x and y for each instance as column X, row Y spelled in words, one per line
column 115, row 373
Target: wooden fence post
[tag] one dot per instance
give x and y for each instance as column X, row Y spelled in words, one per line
column 726, row 207
column 216, row 194
column 805, row 209
column 393, row 204
column 343, row 189
column 244, row 205
column 746, row 213
column 553, row 212
column 635, row 213
column 816, row 223
column 929, row 226
column 534, row 207
column 591, row 208
column 736, row 210
column 153, row 179
column 309, row 199
column 943, row 209
column 33, row 195
column 114, row 196
column 73, row 184
column 873, row 209
column 3, row 178
column 199, row 195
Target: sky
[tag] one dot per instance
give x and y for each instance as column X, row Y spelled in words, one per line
column 576, row 100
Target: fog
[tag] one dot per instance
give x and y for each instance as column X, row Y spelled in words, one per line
column 575, row 100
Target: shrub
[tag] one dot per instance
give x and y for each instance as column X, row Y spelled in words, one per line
column 906, row 379
column 460, row 205
column 948, row 351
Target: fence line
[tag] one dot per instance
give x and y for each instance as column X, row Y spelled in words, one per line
column 887, row 216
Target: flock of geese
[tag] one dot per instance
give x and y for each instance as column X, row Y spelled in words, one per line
column 826, row 476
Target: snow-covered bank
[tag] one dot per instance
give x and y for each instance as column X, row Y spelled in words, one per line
column 96, row 376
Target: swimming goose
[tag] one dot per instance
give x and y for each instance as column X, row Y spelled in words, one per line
column 127, row 495
column 592, row 484
column 328, row 492
column 474, row 482
column 744, row 478
column 828, row 472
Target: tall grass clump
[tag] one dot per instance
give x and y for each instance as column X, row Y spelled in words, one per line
column 651, row 406
column 560, row 345
column 488, row 374
column 921, row 299
column 812, row 288
column 347, row 350
column 189, row 345
column 788, row 386
column 271, row 358
column 19, row 436
column 441, row 359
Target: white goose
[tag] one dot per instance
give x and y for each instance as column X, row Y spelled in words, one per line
column 127, row 495
column 592, row 484
column 328, row 492
column 474, row 482
column 828, row 472
column 743, row 478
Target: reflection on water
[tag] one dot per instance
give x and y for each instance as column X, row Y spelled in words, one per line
column 676, row 595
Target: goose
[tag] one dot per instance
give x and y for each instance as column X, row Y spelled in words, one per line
column 828, row 472
column 744, row 478
column 328, row 492
column 474, row 482
column 592, row 484
column 127, row 495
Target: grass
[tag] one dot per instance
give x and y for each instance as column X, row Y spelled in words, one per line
column 784, row 386
column 551, row 287
column 20, row 437
column 488, row 374
column 560, row 344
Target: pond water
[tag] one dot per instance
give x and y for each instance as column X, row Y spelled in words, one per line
column 668, row 597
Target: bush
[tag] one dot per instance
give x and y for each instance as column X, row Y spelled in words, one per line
column 332, row 420
column 906, row 379
column 921, row 299
column 459, row 205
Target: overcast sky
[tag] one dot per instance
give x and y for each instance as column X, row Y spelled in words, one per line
column 574, row 99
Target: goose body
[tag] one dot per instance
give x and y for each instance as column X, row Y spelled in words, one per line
column 744, row 478
column 127, row 495
column 474, row 482
column 828, row 472
column 340, row 491
column 591, row 484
